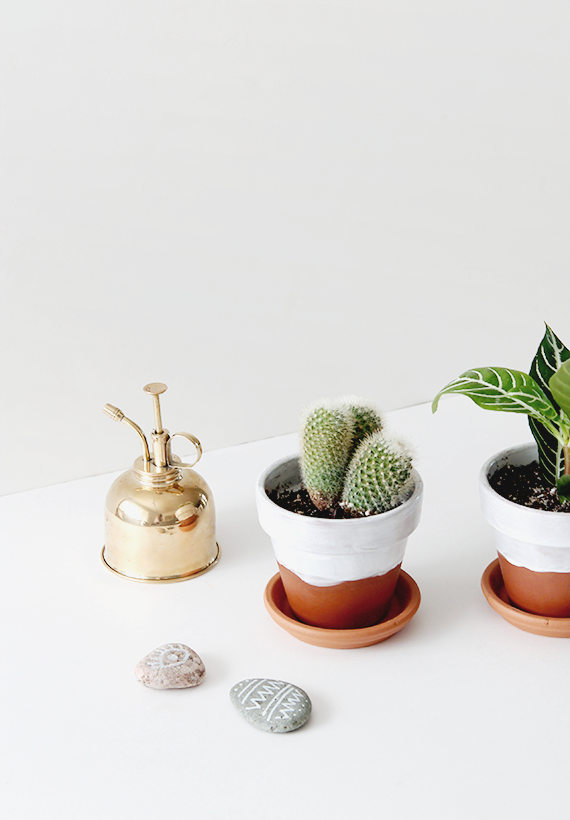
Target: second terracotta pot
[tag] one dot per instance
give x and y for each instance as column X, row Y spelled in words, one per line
column 342, row 573
column 533, row 545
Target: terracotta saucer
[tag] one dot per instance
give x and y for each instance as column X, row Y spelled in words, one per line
column 403, row 607
column 494, row 592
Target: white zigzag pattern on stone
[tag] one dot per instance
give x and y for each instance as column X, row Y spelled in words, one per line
column 264, row 691
column 290, row 705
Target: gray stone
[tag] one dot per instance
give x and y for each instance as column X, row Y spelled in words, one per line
column 271, row 705
column 172, row 666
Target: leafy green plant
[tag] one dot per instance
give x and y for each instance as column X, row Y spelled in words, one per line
column 549, row 358
column 347, row 460
column 543, row 394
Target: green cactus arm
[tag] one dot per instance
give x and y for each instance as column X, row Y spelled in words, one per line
column 325, row 440
column 379, row 476
column 366, row 418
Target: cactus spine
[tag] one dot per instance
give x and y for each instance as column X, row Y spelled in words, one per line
column 379, row 476
column 330, row 433
column 366, row 419
column 326, row 438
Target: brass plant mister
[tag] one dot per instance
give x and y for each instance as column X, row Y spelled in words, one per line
column 159, row 516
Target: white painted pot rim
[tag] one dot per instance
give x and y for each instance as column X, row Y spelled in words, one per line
column 324, row 552
column 535, row 539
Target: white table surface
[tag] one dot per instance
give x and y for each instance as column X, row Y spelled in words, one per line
column 460, row 715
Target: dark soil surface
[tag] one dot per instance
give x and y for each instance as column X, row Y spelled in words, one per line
column 298, row 501
column 524, row 485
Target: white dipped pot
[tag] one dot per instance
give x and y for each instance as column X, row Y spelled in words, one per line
column 337, row 573
column 533, row 545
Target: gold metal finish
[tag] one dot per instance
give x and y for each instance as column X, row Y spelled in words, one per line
column 172, row 580
column 155, row 389
column 196, row 444
column 118, row 415
column 159, row 516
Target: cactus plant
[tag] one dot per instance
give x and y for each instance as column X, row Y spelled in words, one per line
column 379, row 476
column 342, row 438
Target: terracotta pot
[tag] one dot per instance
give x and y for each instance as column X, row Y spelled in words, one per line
column 337, row 574
column 533, row 545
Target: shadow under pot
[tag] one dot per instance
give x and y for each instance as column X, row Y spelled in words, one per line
column 533, row 545
column 337, row 573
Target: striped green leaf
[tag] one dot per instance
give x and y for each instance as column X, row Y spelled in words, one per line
column 499, row 388
column 549, row 358
column 560, row 387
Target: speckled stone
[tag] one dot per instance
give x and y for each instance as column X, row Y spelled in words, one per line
column 271, row 705
column 172, row 666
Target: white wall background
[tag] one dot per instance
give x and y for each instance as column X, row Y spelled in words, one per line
column 262, row 202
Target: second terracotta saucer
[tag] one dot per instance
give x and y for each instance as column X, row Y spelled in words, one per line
column 494, row 591
column 403, row 607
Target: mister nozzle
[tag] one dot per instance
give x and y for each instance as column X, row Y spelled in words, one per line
column 118, row 415
column 113, row 412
